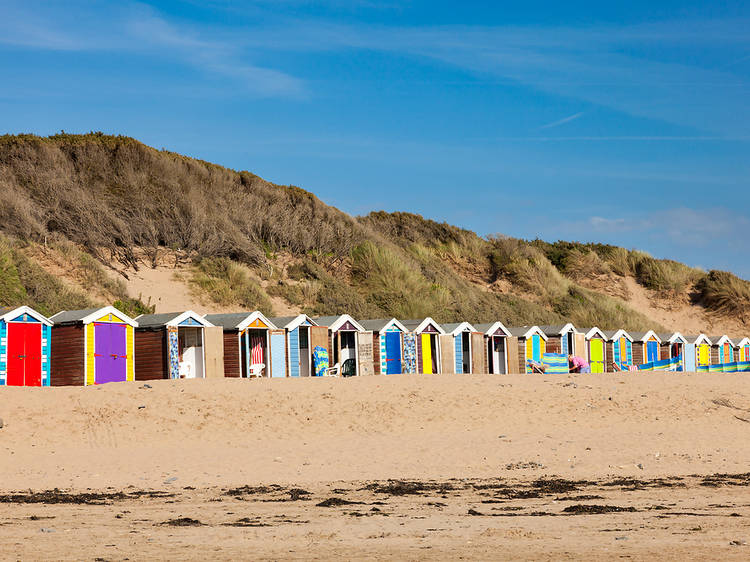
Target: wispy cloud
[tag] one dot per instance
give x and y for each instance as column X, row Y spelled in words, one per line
column 562, row 121
column 138, row 28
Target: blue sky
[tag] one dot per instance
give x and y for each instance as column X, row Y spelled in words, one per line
column 626, row 124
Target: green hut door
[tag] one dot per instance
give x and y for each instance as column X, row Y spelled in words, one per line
column 596, row 355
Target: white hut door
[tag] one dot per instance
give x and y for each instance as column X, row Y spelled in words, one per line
column 191, row 352
column 498, row 356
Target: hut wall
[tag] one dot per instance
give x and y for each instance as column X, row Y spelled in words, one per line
column 639, row 350
column 512, row 351
column 478, row 353
column 521, row 355
column 151, row 355
column 232, row 363
column 213, row 351
column 609, row 349
column 377, row 342
column 581, row 347
column 68, row 355
column 554, row 344
column 715, row 355
column 446, row 361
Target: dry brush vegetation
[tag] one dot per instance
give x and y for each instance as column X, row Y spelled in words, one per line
column 107, row 200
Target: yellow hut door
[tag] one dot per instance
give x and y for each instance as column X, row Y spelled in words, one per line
column 596, row 355
column 704, row 355
column 426, row 354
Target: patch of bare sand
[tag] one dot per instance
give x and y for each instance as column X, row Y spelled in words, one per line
column 483, row 456
column 678, row 313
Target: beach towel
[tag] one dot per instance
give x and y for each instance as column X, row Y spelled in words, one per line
column 557, row 363
column 320, row 360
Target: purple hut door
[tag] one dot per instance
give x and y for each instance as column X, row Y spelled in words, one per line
column 110, row 353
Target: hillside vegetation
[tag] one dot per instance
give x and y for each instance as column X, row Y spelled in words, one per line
column 80, row 210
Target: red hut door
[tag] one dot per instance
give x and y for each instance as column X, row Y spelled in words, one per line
column 24, row 354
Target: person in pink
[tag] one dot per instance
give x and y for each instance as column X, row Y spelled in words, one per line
column 577, row 364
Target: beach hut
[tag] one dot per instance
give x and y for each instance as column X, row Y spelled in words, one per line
column 697, row 352
column 561, row 338
column 531, row 345
column 248, row 344
column 496, row 344
column 25, row 337
column 344, row 342
column 387, row 344
column 596, row 349
column 619, row 349
column 467, row 342
column 297, row 330
column 722, row 350
column 672, row 345
column 92, row 346
column 171, row 345
column 742, row 349
column 645, row 347
column 426, row 337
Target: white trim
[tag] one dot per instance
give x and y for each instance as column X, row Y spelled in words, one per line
column 531, row 331
column 297, row 322
column 108, row 310
column 252, row 317
column 8, row 316
column 592, row 331
column 743, row 342
column 492, row 329
column 699, row 338
column 393, row 322
column 569, row 327
column 175, row 322
column 647, row 336
column 343, row 319
column 419, row 329
column 676, row 336
column 462, row 327
column 620, row 334
column 722, row 340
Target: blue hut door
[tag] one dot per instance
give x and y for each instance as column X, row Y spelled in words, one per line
column 652, row 351
column 689, row 357
column 392, row 353
column 278, row 354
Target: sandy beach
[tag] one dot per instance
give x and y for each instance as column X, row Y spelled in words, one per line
column 415, row 467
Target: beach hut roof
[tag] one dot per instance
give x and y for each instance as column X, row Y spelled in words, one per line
column 741, row 342
column 10, row 313
column 698, row 339
column 720, row 340
column 420, row 325
column 89, row 315
column 335, row 322
column 645, row 336
column 170, row 319
column 292, row 322
column 592, row 332
column 526, row 331
column 491, row 329
column 382, row 325
column 559, row 329
column 457, row 327
column 612, row 335
column 674, row 337
column 238, row 320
